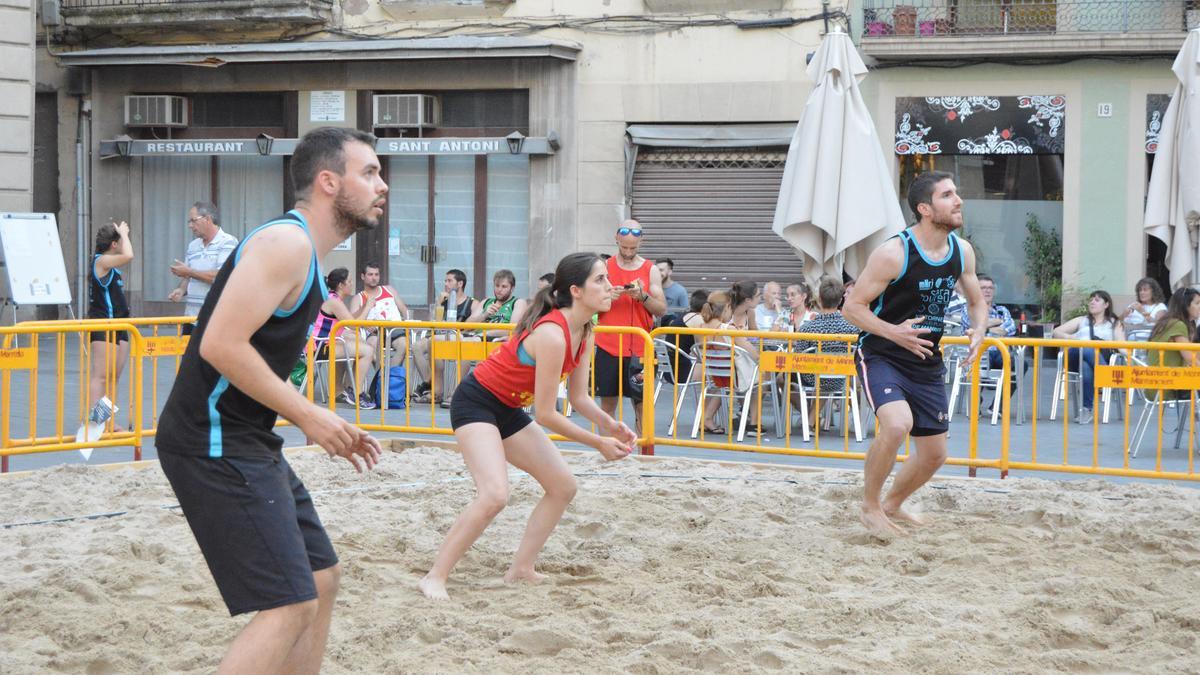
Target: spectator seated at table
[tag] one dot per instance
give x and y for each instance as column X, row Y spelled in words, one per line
column 696, row 300
column 1142, row 315
column 1000, row 321
column 769, row 314
column 1100, row 323
column 798, row 305
column 717, row 314
column 1177, row 324
column 828, row 320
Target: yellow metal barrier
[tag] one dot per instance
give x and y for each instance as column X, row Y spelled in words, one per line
column 1103, row 449
column 165, row 340
column 457, row 343
column 775, row 370
column 62, row 437
column 1127, row 378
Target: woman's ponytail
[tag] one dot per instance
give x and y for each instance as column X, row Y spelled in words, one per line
column 543, row 301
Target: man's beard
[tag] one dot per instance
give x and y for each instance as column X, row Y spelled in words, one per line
column 346, row 222
column 946, row 223
column 626, row 259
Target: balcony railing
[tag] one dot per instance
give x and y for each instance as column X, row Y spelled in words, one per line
column 932, row 18
column 191, row 14
column 135, row 4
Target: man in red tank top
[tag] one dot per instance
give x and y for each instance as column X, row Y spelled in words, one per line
column 637, row 299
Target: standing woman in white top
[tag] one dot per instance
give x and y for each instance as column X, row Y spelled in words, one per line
column 1100, row 323
column 1140, row 315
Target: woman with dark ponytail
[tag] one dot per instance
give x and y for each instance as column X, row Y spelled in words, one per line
column 358, row 354
column 553, row 340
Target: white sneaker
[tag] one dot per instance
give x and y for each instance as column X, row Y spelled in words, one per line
column 1085, row 416
column 102, row 411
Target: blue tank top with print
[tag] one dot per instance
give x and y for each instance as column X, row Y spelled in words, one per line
column 923, row 288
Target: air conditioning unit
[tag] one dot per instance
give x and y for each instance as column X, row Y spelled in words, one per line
column 406, row 111
column 156, row 111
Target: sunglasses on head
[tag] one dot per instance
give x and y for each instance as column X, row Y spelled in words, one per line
column 626, row 231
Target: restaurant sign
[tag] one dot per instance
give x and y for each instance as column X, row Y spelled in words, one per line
column 533, row 145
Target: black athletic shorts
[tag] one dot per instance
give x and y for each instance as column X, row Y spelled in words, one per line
column 113, row 336
column 473, row 403
column 611, row 370
column 885, row 381
column 256, row 526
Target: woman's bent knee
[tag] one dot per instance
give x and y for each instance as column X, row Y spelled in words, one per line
column 492, row 501
column 563, row 489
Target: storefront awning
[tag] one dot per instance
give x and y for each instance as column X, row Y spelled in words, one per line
column 711, row 135
column 458, row 47
column 266, row 146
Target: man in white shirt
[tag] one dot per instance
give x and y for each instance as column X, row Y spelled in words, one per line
column 389, row 306
column 767, row 314
column 205, row 256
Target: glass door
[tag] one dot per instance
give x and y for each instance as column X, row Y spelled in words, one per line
column 422, row 248
column 408, row 229
column 454, row 219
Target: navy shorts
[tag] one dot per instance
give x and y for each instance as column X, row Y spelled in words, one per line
column 256, row 526
column 113, row 336
column 473, row 403
column 885, row 381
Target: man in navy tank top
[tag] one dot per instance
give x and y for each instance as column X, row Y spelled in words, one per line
column 253, row 519
column 899, row 304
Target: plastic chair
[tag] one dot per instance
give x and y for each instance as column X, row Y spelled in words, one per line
column 665, row 356
column 1148, row 405
column 320, row 375
column 715, row 359
column 832, row 389
column 1062, row 379
column 989, row 378
column 1118, row 358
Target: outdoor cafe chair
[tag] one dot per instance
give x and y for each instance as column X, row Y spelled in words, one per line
column 832, row 389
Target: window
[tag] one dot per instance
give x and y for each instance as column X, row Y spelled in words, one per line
column 1000, row 193
column 493, row 109
column 241, row 109
column 248, row 191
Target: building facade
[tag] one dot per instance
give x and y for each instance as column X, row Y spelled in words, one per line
column 515, row 131
column 16, row 105
column 1047, row 113
column 505, row 127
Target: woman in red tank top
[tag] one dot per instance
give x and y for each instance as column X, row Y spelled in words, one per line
column 554, row 339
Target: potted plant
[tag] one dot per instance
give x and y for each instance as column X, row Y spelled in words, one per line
column 1043, row 261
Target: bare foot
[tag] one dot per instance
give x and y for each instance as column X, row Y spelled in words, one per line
column 907, row 517
column 528, row 577
column 433, row 589
column 880, row 525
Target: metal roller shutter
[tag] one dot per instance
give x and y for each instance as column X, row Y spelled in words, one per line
column 710, row 211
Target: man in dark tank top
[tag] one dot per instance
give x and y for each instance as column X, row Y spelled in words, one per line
column 899, row 303
column 252, row 517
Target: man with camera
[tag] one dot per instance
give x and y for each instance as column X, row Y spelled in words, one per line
column 637, row 300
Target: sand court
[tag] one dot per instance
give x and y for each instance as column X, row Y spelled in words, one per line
column 661, row 566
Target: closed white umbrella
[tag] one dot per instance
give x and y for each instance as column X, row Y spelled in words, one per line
column 837, row 202
column 1173, row 200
